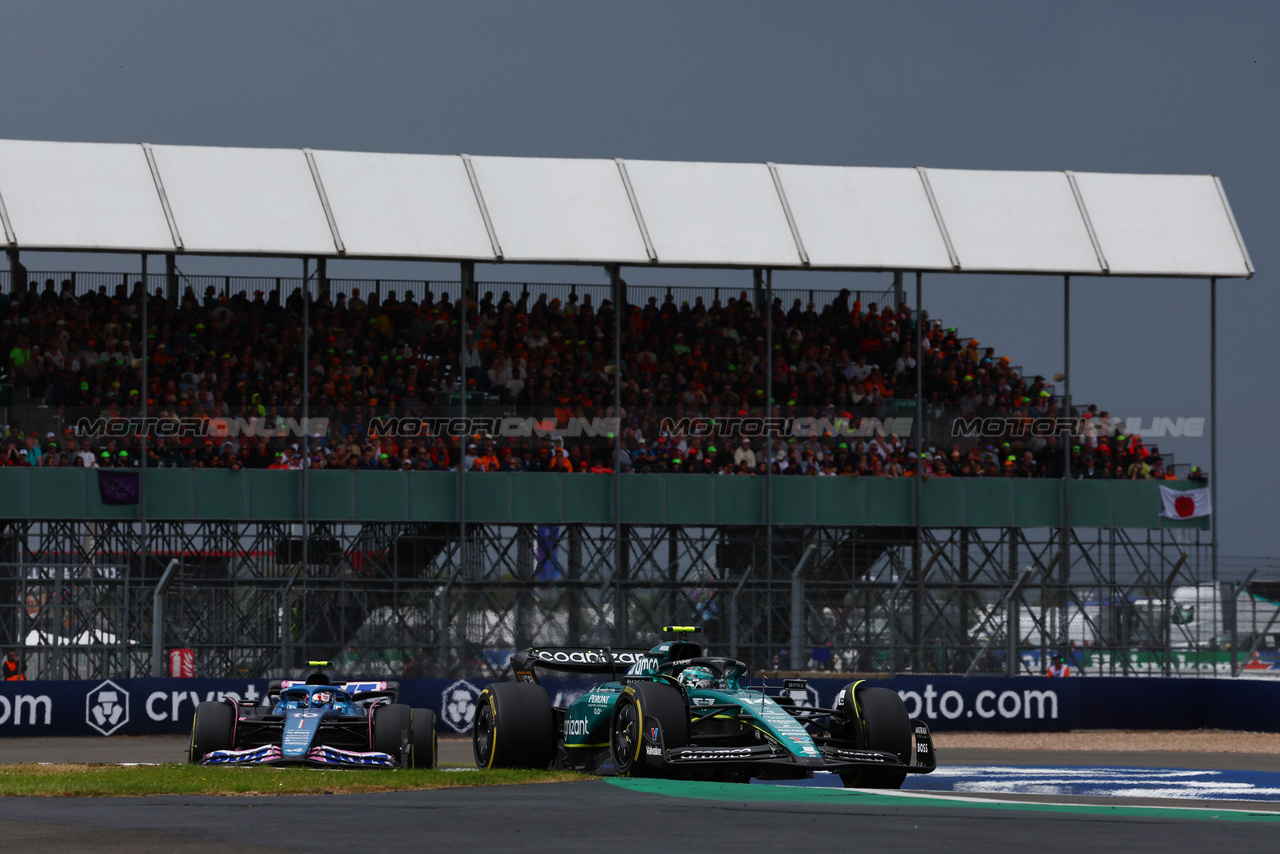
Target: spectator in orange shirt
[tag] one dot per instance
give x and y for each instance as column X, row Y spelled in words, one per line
column 488, row 461
column 560, row 461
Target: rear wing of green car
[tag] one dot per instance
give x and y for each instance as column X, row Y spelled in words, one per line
column 573, row 659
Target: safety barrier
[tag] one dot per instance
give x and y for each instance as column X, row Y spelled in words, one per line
column 151, row 706
column 502, row 498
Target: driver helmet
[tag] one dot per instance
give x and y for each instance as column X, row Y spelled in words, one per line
column 321, row 699
column 697, row 677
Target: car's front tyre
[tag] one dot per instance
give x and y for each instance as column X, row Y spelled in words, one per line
column 514, row 727
column 391, row 723
column 661, row 703
column 878, row 721
column 213, row 728
column 424, row 752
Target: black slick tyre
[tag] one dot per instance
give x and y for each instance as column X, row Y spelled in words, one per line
column 391, row 723
column 212, row 729
column 886, row 728
column 514, row 727
column 645, row 701
column 424, row 747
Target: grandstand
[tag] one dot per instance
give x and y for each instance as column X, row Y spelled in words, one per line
column 66, row 364
column 425, row 473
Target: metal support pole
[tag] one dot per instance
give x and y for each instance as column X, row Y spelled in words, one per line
column 171, row 278
column 768, row 438
column 757, row 289
column 1167, row 667
column 620, row 603
column 60, row 628
column 1064, row 569
column 917, row 548
column 286, row 610
column 733, row 613
column 157, row 620
column 144, row 555
column 1012, row 618
column 797, row 608
column 306, row 411
column 17, row 273
column 1213, row 421
column 464, row 300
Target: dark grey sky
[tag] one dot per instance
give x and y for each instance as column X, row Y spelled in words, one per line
column 1135, row 87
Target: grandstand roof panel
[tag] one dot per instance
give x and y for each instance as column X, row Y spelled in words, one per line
column 403, row 205
column 866, row 218
column 546, row 209
column 718, row 214
column 81, row 196
column 244, row 201
column 239, row 201
column 1163, row 225
column 1013, row 221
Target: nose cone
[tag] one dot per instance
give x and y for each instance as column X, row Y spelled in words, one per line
column 299, row 730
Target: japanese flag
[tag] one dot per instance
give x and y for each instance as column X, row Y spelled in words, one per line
column 1184, row 504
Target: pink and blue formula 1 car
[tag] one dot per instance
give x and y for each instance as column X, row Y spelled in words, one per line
column 318, row 723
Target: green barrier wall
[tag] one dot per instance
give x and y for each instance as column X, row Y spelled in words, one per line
column 341, row 496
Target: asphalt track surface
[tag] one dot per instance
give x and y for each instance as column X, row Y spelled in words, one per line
column 630, row 816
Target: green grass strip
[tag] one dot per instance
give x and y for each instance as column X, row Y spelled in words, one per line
column 756, row 793
column 182, row 779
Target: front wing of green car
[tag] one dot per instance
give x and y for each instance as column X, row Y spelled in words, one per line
column 785, row 744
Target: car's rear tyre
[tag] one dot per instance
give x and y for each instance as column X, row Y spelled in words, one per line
column 212, row 729
column 660, row 702
column 424, row 751
column 391, row 723
column 884, row 726
column 514, row 727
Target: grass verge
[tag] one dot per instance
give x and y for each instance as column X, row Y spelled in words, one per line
column 181, row 779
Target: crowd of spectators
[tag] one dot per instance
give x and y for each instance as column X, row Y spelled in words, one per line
column 386, row 356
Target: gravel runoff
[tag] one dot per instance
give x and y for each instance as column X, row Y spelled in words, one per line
column 1115, row 741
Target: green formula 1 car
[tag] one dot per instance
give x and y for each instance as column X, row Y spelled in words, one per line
column 677, row 713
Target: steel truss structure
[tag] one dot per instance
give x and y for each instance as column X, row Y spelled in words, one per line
column 412, row 600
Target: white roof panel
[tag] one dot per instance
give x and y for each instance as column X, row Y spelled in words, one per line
column 545, row 209
column 1162, row 225
column 403, row 205
column 865, row 218
column 1013, row 221
column 720, row 214
column 244, row 201
column 71, row 195
column 239, row 201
